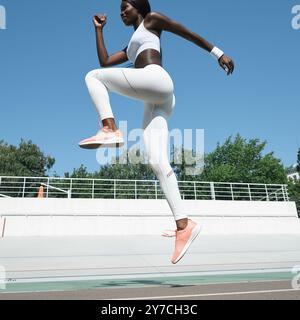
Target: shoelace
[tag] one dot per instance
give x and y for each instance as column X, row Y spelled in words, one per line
column 169, row 233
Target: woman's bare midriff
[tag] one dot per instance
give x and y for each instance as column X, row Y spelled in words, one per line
column 149, row 56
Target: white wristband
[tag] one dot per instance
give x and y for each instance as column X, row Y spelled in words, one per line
column 216, row 53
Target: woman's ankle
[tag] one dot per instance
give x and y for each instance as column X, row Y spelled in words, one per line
column 182, row 224
column 110, row 124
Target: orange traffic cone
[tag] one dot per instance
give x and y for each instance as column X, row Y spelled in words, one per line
column 41, row 192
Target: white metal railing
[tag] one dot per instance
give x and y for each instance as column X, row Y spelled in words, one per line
column 139, row 189
column 68, row 192
column 275, row 193
column 4, row 196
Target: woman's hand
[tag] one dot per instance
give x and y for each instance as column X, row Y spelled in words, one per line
column 99, row 20
column 227, row 64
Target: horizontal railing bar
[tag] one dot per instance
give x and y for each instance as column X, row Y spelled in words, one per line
column 4, row 196
column 91, row 179
column 54, row 188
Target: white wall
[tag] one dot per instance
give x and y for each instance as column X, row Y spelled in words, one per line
column 60, row 217
column 34, row 206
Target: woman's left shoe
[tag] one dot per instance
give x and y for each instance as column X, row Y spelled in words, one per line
column 105, row 138
column 184, row 239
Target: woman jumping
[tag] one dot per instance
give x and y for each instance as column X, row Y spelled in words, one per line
column 149, row 82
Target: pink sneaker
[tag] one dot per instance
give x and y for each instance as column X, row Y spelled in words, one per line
column 105, row 138
column 184, row 239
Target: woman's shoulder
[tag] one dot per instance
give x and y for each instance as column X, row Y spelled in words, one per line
column 153, row 15
column 153, row 21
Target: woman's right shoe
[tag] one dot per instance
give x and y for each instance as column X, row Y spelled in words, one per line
column 184, row 239
column 105, row 138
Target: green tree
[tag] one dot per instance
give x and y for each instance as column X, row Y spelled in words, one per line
column 131, row 165
column 239, row 160
column 294, row 193
column 186, row 164
column 25, row 160
column 81, row 173
column 294, row 186
column 298, row 161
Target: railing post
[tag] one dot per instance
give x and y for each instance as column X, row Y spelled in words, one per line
column 249, row 190
column 285, row 193
column 135, row 190
column 195, row 190
column 93, row 189
column 156, row 189
column 48, row 183
column 267, row 194
column 232, row 196
column 115, row 189
column 71, row 187
column 24, row 186
column 212, row 191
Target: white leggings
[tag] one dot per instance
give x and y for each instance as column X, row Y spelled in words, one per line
column 154, row 87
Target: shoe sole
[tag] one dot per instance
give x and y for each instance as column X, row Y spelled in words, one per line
column 108, row 144
column 194, row 235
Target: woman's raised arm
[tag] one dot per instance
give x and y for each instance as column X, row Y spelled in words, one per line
column 104, row 59
column 163, row 23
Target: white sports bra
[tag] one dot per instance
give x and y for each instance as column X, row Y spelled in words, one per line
column 141, row 40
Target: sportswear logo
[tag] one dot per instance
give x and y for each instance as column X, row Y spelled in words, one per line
column 169, row 174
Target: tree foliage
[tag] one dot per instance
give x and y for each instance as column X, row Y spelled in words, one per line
column 187, row 164
column 131, row 165
column 294, row 193
column 239, row 160
column 294, row 186
column 24, row 160
column 298, row 161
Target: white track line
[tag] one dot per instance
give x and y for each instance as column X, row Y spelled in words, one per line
column 160, row 275
column 209, row 294
column 3, row 292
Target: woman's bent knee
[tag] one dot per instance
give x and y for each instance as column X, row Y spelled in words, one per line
column 166, row 92
column 94, row 74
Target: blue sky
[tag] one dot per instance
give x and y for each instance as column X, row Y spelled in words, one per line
column 49, row 47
